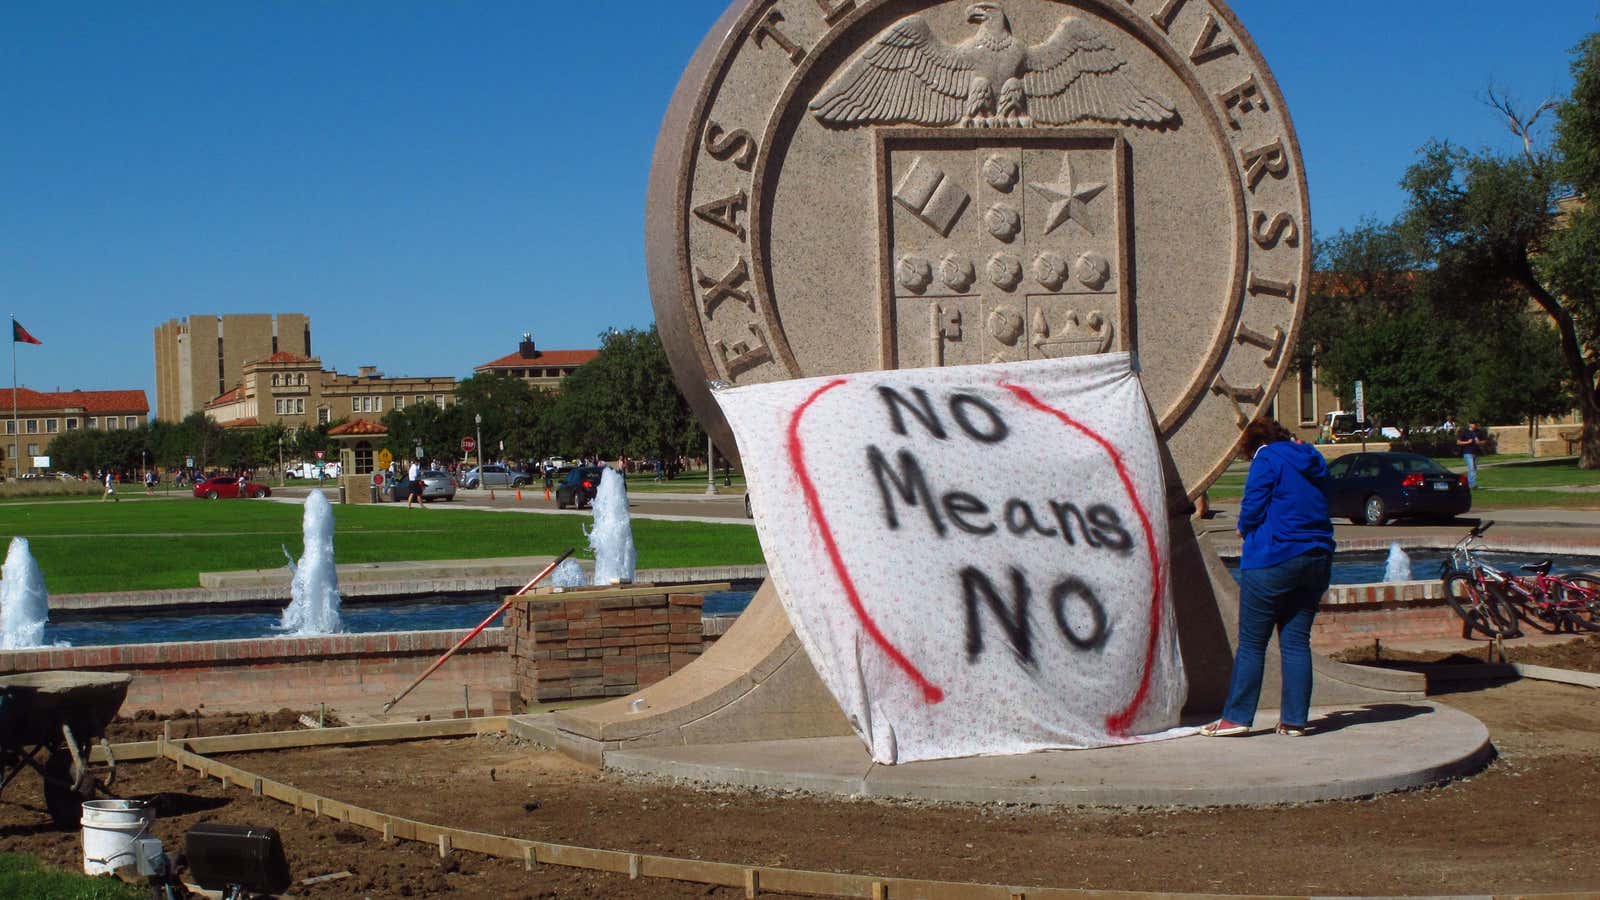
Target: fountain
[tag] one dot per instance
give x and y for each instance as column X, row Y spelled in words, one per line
column 314, row 608
column 611, row 539
column 1398, row 568
column 24, row 603
column 569, row 574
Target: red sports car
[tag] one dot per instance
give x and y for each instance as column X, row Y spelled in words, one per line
column 218, row 486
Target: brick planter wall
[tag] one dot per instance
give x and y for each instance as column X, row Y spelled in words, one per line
column 351, row 672
column 1407, row 610
column 603, row 642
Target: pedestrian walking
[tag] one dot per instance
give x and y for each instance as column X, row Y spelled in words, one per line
column 414, row 492
column 1470, row 440
column 111, row 492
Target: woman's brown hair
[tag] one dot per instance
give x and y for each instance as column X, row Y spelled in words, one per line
column 1260, row 433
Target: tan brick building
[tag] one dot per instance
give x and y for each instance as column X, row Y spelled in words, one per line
column 203, row 356
column 41, row 415
column 294, row 390
column 543, row 369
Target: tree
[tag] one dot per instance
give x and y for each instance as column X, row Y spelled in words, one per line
column 436, row 430
column 625, row 402
column 1492, row 225
column 1367, row 320
column 1515, row 373
column 505, row 403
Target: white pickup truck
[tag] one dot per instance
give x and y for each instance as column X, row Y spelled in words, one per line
column 312, row 470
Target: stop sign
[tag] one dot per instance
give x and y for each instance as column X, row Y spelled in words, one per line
column 468, row 445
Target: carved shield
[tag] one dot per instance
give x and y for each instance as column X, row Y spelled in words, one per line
column 1003, row 247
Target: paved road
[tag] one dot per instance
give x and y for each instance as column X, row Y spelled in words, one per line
column 653, row 505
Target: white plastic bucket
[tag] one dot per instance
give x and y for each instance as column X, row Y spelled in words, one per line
column 111, row 829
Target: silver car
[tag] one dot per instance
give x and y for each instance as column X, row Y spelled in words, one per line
column 436, row 485
column 495, row 475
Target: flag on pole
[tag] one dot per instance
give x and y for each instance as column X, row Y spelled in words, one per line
column 20, row 335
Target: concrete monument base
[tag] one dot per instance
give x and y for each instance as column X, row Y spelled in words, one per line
column 755, row 684
column 1353, row 752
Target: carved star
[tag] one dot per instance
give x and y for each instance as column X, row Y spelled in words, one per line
column 1069, row 199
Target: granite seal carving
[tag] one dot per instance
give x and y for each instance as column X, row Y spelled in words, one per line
column 845, row 185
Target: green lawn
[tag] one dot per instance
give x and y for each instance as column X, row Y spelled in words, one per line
column 23, row 878
column 91, row 547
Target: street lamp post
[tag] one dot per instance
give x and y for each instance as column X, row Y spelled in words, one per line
column 477, row 420
column 280, row 459
column 711, row 467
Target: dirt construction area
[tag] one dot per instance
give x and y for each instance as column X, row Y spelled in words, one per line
column 1523, row 825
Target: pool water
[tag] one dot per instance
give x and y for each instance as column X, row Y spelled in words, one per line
column 437, row 612
column 1368, row 566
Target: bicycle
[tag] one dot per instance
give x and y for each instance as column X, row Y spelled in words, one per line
column 1492, row 600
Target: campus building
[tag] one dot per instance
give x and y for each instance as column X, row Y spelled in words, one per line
column 543, row 369
column 295, row 391
column 41, row 415
column 203, row 356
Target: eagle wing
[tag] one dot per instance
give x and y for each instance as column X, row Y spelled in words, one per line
column 908, row 75
column 1077, row 75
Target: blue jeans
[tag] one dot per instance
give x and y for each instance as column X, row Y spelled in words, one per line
column 1472, row 469
column 1284, row 596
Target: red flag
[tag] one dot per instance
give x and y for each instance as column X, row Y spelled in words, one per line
column 20, row 335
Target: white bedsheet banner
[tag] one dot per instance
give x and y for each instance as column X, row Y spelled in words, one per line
column 974, row 557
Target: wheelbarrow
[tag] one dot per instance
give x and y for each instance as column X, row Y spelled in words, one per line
column 59, row 715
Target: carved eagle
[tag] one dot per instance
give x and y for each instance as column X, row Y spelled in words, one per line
column 909, row 76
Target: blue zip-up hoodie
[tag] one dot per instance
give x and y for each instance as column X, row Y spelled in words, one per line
column 1284, row 512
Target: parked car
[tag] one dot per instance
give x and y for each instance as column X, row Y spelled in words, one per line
column 312, row 470
column 227, row 486
column 495, row 475
column 1375, row 488
column 577, row 490
column 436, row 485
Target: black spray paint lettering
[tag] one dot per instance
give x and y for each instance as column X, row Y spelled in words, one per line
column 1015, row 619
column 903, row 482
column 976, row 416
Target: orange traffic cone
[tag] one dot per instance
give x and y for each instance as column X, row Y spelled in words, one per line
column 547, row 492
column 519, row 495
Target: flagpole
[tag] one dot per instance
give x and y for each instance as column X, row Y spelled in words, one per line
column 16, row 429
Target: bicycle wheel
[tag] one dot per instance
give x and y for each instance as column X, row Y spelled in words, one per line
column 1581, row 602
column 1478, row 609
column 1526, row 603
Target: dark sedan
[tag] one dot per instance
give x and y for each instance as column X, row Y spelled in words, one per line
column 219, row 486
column 577, row 490
column 1374, row 488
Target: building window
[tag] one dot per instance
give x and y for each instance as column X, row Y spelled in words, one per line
column 274, row 379
column 419, row 399
column 377, row 404
column 33, row 449
column 94, row 421
column 438, row 400
column 399, row 402
column 130, row 422
column 1308, row 395
column 277, row 407
column 11, row 427
column 111, row 423
column 301, row 378
column 300, row 406
column 363, row 458
column 72, row 424
column 50, row 426
column 324, row 415
column 31, row 426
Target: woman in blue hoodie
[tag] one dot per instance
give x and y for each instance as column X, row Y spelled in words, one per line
column 1283, row 572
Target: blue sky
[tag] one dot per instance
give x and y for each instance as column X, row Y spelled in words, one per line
column 428, row 180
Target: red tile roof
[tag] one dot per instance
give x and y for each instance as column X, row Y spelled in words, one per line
column 232, row 396
column 357, row 427
column 90, row 401
column 251, row 422
column 282, row 356
column 544, row 358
